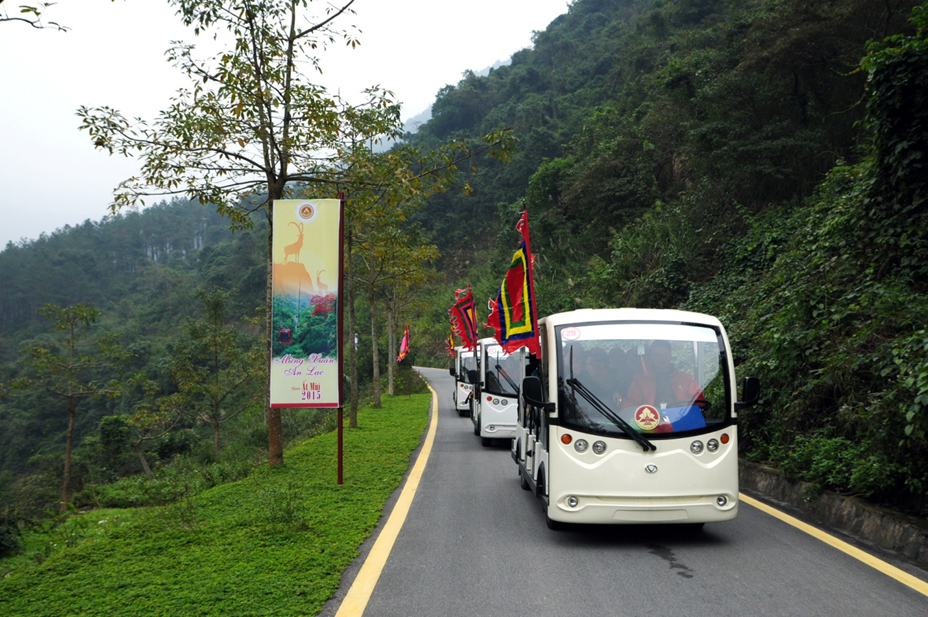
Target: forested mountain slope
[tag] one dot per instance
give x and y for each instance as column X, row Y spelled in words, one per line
column 763, row 161
column 130, row 256
column 142, row 270
column 624, row 103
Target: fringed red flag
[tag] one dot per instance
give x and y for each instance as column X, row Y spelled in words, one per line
column 404, row 346
column 513, row 313
column 464, row 318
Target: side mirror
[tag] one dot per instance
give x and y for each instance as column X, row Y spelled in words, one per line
column 451, row 371
column 533, row 393
column 750, row 393
column 473, row 376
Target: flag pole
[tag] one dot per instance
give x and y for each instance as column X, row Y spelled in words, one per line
column 531, row 264
column 341, row 367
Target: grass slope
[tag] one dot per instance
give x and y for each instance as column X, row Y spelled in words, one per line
column 275, row 543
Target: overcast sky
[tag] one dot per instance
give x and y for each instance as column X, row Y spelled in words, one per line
column 50, row 174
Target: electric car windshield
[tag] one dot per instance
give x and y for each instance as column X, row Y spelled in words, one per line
column 503, row 371
column 652, row 378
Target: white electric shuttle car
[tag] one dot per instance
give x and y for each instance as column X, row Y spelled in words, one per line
column 630, row 417
column 494, row 406
column 464, row 361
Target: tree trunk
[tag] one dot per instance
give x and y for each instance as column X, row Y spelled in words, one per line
column 216, row 441
column 66, row 484
column 374, row 346
column 392, row 353
column 275, row 431
column 352, row 348
column 137, row 446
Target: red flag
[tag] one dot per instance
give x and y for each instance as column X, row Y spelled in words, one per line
column 513, row 314
column 404, row 346
column 464, row 318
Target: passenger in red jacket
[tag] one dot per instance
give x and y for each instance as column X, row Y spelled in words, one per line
column 661, row 384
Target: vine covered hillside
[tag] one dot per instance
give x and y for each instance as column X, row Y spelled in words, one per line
column 830, row 301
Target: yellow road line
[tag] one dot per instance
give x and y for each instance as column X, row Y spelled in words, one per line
column 903, row 577
column 363, row 586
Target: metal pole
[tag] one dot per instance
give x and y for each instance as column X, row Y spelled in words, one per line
column 341, row 297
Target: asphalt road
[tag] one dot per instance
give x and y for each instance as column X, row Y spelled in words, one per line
column 475, row 544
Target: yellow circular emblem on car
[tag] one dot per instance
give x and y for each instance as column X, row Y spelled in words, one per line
column 647, row 417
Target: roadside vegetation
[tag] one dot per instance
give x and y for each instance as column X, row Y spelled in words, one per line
column 275, row 542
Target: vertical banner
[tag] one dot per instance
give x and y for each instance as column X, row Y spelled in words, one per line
column 307, row 262
column 513, row 314
column 464, row 318
column 404, row 346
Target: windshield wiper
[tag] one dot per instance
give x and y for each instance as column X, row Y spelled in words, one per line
column 601, row 407
column 501, row 371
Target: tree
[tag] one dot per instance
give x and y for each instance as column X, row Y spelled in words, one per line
column 399, row 295
column 252, row 127
column 154, row 417
column 250, row 124
column 379, row 254
column 71, row 368
column 387, row 257
column 390, row 187
column 214, row 367
column 30, row 14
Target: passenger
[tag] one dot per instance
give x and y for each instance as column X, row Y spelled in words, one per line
column 600, row 378
column 662, row 384
column 619, row 361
